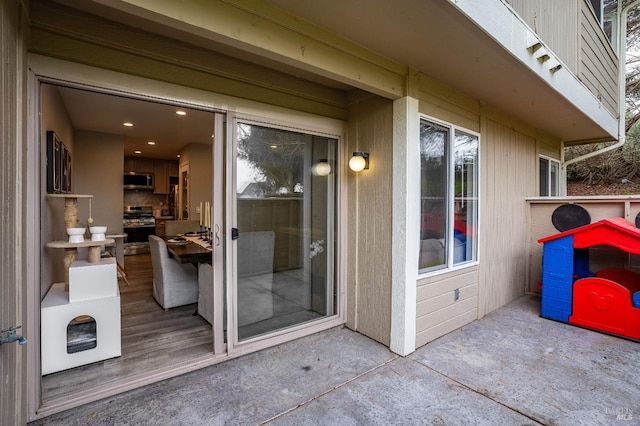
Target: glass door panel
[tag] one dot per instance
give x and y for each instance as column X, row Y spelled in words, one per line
column 285, row 209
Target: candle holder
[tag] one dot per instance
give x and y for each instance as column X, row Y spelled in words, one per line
column 200, row 233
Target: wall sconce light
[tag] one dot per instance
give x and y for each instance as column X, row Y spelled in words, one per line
column 321, row 168
column 359, row 161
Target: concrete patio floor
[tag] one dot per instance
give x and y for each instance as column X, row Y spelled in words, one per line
column 510, row 368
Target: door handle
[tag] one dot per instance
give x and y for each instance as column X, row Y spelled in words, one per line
column 217, row 235
column 235, row 234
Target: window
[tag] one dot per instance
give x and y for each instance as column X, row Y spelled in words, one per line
column 449, row 196
column 606, row 12
column 549, row 181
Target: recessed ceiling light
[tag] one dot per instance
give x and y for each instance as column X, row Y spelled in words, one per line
column 273, row 146
column 127, row 124
column 151, row 143
column 178, row 155
column 137, row 152
column 180, row 112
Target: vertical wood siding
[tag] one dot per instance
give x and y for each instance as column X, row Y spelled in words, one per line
column 573, row 33
column 369, row 220
column 555, row 22
column 13, row 128
column 508, row 171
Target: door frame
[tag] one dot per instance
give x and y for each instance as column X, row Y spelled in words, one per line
column 56, row 71
column 234, row 347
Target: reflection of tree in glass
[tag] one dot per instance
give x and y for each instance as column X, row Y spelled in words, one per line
column 277, row 154
column 432, row 157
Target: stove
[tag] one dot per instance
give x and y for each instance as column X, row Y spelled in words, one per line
column 138, row 223
column 138, row 216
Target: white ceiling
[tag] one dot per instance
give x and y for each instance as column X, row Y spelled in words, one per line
column 152, row 121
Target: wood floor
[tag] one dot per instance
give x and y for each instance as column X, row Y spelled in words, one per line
column 152, row 338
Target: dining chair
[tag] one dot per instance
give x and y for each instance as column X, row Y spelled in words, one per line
column 174, row 284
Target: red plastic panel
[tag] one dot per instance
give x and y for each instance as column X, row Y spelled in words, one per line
column 605, row 305
column 615, row 231
column 629, row 279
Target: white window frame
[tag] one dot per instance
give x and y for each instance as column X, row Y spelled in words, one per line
column 550, row 184
column 450, row 201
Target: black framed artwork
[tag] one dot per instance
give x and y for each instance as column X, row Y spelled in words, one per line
column 58, row 165
column 65, row 184
column 54, row 163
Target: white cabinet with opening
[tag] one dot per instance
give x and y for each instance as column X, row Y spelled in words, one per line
column 76, row 327
column 80, row 318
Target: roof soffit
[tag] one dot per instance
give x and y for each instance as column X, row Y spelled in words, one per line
column 437, row 38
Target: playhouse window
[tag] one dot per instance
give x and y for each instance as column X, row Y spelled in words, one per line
column 549, row 180
column 449, row 196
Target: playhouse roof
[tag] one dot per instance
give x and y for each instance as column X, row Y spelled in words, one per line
column 615, row 231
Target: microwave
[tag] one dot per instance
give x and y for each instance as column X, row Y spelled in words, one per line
column 133, row 180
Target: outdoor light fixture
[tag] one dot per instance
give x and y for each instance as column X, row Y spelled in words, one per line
column 359, row 161
column 321, row 168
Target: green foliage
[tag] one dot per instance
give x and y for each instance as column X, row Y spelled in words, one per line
column 610, row 167
column 277, row 154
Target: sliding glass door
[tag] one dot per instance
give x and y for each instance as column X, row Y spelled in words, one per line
column 284, row 234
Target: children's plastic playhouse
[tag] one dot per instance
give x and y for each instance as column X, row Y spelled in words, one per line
column 607, row 300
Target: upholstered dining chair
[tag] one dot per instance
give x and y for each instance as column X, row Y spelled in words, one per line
column 174, row 284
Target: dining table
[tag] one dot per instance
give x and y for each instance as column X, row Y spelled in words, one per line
column 189, row 249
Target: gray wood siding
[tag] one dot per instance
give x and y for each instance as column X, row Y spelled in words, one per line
column 508, row 173
column 573, row 33
column 13, row 112
column 369, row 220
column 74, row 36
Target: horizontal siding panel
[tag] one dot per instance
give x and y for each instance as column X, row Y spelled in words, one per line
column 445, row 300
column 442, row 284
column 443, row 315
column 442, row 328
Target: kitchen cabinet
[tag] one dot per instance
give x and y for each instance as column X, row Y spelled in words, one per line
column 163, row 170
column 161, row 179
column 140, row 165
